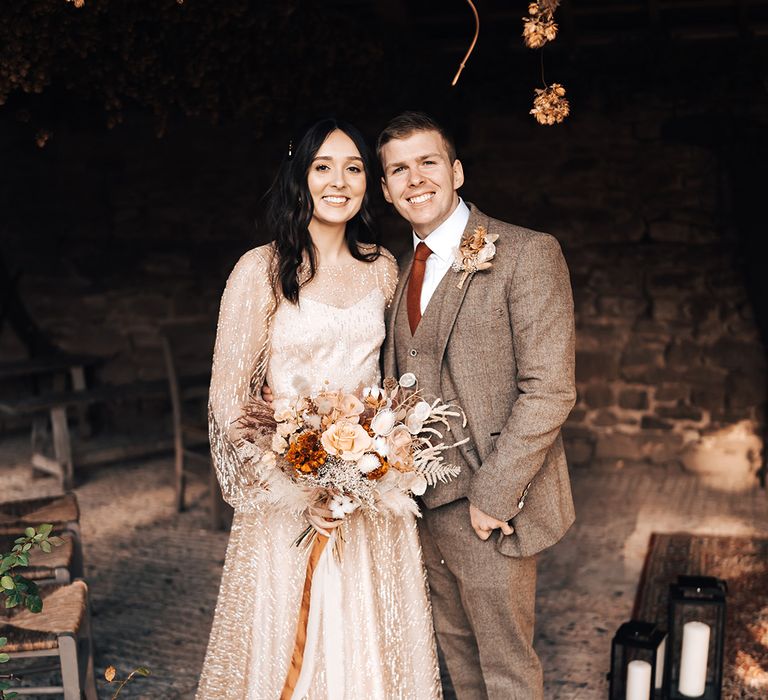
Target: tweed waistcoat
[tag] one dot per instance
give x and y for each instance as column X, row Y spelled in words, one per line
column 418, row 353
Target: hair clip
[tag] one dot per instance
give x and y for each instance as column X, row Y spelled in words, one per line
column 290, row 148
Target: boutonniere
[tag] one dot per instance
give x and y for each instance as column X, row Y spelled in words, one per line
column 474, row 253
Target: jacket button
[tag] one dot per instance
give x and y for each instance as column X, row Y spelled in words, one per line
column 413, row 352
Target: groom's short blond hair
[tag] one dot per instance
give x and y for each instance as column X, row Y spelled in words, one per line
column 408, row 123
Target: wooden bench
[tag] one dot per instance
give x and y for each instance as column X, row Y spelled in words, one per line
column 111, row 448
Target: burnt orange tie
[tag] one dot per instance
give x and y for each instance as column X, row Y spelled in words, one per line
column 415, row 283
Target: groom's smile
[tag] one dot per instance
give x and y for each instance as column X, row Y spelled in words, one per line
column 420, row 180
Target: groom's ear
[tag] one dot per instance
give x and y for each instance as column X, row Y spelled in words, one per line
column 458, row 174
column 385, row 191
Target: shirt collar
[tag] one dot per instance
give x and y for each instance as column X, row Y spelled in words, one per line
column 444, row 240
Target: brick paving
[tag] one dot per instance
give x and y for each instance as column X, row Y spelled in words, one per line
column 154, row 573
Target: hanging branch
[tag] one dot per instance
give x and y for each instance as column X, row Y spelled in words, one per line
column 549, row 104
column 471, row 46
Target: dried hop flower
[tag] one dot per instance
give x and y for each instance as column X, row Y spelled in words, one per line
column 550, row 105
column 538, row 30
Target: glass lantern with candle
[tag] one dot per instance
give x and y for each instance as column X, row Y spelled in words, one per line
column 694, row 664
column 637, row 661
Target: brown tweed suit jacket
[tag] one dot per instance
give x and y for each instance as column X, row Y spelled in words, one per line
column 502, row 347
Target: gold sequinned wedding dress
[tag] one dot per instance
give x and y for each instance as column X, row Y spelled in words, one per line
column 370, row 631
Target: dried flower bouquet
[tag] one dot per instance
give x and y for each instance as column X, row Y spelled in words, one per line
column 373, row 449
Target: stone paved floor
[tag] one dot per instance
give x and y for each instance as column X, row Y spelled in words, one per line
column 154, row 574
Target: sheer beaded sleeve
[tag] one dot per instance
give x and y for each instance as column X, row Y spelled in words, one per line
column 240, row 361
column 386, row 274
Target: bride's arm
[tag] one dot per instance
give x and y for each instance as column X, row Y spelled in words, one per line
column 386, row 274
column 239, row 365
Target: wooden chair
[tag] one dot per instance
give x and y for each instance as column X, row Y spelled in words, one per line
column 188, row 381
column 62, row 630
column 52, row 568
column 60, row 511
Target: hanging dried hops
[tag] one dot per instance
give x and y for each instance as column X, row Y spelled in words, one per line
column 42, row 137
column 540, row 27
column 550, row 105
column 548, row 5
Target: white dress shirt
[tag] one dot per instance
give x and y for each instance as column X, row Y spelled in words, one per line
column 443, row 242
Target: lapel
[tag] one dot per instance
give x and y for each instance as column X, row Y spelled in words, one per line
column 453, row 296
column 390, row 352
column 401, row 285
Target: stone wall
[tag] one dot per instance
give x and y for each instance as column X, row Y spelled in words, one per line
column 670, row 365
column 126, row 231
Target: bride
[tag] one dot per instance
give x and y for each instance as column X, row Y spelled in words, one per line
column 306, row 313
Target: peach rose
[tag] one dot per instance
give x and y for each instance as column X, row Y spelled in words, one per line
column 350, row 407
column 346, row 440
column 399, row 453
column 326, row 402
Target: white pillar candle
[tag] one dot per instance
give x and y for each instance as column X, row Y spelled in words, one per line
column 638, row 680
column 693, row 659
column 660, row 653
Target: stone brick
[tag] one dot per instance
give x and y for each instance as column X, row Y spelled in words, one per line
column 680, row 411
column 604, row 418
column 644, row 374
column 681, row 232
column 577, row 415
column 579, row 450
column 640, row 363
column 600, row 336
column 641, row 355
column 712, row 376
column 702, row 310
column 683, row 352
column 616, row 280
column 672, row 283
column 623, row 307
column 667, row 309
column 708, row 398
column 636, row 399
column 745, row 390
column 598, row 395
column 735, row 354
column 654, row 423
column 672, row 392
column 619, row 446
column 596, row 365
column 669, row 231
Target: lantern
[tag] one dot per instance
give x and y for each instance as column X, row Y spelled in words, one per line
column 694, row 664
column 637, row 661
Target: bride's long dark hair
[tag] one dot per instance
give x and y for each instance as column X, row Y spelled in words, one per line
column 289, row 210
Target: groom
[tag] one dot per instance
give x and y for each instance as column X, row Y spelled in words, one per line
column 501, row 346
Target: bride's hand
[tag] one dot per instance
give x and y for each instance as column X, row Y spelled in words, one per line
column 321, row 518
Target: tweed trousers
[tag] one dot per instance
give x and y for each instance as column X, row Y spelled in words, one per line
column 488, row 646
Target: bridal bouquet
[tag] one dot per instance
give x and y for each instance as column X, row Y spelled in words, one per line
column 372, row 449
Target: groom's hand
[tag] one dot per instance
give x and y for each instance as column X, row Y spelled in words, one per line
column 484, row 524
column 266, row 394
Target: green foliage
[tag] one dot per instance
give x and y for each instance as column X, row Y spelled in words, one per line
column 16, row 589
column 4, row 684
